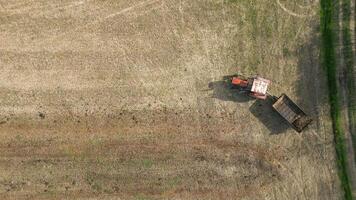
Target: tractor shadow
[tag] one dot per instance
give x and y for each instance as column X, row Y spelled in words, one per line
column 263, row 111
column 225, row 91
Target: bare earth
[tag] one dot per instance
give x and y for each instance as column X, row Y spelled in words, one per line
column 124, row 99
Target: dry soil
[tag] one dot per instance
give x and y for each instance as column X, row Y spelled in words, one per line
column 125, row 99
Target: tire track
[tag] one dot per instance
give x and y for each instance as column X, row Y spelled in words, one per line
column 100, row 20
column 291, row 12
column 47, row 8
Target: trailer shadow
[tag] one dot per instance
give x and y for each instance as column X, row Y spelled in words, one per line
column 263, row 111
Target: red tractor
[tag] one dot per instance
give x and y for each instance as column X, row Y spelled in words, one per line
column 255, row 86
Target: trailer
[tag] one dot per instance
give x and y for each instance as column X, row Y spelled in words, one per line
column 294, row 115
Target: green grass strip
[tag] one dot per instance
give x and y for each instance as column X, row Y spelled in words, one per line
column 349, row 63
column 329, row 61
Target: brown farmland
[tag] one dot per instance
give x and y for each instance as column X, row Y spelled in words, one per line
column 124, row 99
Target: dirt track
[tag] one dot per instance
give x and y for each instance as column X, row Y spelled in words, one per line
column 125, row 100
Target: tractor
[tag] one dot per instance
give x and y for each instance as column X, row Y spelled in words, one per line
column 255, row 87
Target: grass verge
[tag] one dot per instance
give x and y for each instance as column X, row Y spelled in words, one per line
column 349, row 63
column 329, row 61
